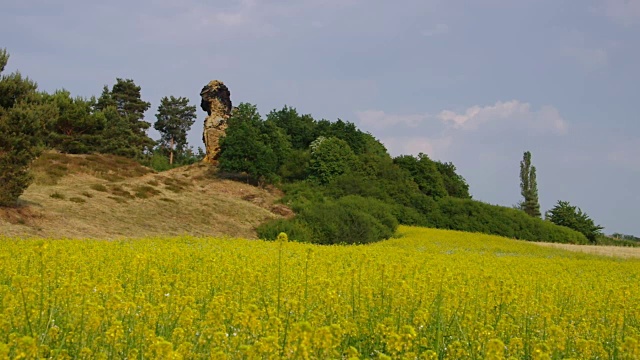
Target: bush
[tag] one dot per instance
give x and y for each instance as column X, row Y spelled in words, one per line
column 159, row 162
column 476, row 216
column 376, row 208
column 350, row 220
column 296, row 230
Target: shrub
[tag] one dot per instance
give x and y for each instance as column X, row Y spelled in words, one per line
column 350, row 220
column 476, row 216
column 159, row 162
column 295, row 229
column 376, row 208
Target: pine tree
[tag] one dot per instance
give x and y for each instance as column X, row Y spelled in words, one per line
column 529, row 186
column 125, row 97
column 77, row 129
column 21, row 112
column 175, row 117
column 564, row 214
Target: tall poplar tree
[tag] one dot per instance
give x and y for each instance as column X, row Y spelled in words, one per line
column 529, row 186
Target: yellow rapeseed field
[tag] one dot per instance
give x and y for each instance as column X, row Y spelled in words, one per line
column 428, row 294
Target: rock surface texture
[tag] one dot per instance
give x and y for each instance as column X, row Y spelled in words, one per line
column 216, row 101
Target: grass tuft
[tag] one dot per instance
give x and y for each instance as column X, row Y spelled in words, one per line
column 117, row 199
column 57, row 195
column 145, row 191
column 99, row 187
column 118, row 190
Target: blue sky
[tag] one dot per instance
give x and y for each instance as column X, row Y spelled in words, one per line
column 472, row 82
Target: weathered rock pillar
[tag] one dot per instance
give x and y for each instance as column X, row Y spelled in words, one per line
column 216, row 101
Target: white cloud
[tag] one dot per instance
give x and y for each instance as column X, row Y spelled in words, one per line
column 438, row 29
column 624, row 12
column 547, row 118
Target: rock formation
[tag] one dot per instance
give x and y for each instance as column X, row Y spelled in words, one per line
column 216, row 101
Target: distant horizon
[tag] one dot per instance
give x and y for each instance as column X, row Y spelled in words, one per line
column 473, row 83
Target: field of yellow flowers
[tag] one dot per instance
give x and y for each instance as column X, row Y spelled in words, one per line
column 428, row 294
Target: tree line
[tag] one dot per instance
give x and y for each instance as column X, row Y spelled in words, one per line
column 346, row 188
column 113, row 123
column 341, row 182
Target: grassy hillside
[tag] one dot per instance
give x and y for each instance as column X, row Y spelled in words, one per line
column 429, row 294
column 106, row 197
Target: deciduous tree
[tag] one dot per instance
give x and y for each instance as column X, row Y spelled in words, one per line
column 174, row 118
column 245, row 147
column 425, row 173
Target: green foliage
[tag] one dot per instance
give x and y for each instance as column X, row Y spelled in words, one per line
column 454, row 183
column 158, row 162
column 564, row 214
column 245, row 148
column 299, row 128
column 21, row 111
column 117, row 136
column 295, row 229
column 349, row 220
column 358, row 141
column 330, row 157
column 296, row 166
column 13, row 87
column 174, row 118
column 125, row 98
column 278, row 141
column 476, row 216
column 424, row 172
column 4, row 59
column 76, row 129
column 529, row 186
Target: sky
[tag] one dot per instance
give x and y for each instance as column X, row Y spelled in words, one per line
column 474, row 82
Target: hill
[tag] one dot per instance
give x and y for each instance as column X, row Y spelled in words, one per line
column 107, row 197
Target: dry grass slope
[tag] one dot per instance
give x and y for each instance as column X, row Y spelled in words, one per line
column 107, row 197
column 615, row 251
